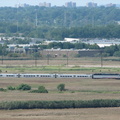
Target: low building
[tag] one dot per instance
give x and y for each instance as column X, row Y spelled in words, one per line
column 103, row 42
column 72, row 40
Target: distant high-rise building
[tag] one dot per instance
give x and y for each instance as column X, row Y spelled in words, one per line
column 70, row 4
column 91, row 4
column 22, row 5
column 45, row 4
column 111, row 5
column 73, row 4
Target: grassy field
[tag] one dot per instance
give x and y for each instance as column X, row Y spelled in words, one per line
column 72, row 65
column 59, row 69
column 82, row 61
column 76, row 89
column 64, row 114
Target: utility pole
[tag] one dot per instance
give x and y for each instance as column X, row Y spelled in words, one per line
column 67, row 58
column 17, row 16
column 36, row 19
column 35, row 56
column 65, row 18
column 48, row 55
column 93, row 15
column 101, row 58
column 35, row 61
column 2, row 54
column 2, row 58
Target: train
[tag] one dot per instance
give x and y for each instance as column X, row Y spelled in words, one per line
column 47, row 75
column 106, row 76
column 92, row 76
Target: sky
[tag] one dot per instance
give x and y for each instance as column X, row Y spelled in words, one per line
column 55, row 2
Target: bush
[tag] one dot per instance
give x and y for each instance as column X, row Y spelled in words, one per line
column 23, row 87
column 11, row 88
column 64, row 55
column 77, row 55
column 59, row 104
column 116, row 54
column 2, row 89
column 61, row 87
column 13, row 55
column 41, row 89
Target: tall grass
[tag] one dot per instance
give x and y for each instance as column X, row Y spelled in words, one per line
column 58, row 104
column 54, row 69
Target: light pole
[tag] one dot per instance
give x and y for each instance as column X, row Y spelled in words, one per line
column 67, row 58
column 101, row 58
column 48, row 55
column 35, row 61
column 35, row 55
column 2, row 58
column 2, row 54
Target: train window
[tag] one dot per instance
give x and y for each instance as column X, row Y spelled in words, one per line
column 26, row 76
column 9, row 75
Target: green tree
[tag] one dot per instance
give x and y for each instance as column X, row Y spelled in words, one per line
column 42, row 89
column 61, row 87
column 23, row 87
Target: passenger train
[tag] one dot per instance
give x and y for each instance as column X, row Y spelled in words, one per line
column 92, row 76
column 47, row 75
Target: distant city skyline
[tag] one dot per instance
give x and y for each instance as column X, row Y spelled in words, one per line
column 55, row 2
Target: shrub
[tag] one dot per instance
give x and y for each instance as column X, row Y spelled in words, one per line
column 64, row 55
column 77, row 55
column 2, row 89
column 61, row 87
column 24, row 87
column 11, row 88
column 41, row 89
column 13, row 55
column 59, row 104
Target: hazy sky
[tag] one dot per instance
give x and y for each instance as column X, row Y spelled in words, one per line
column 56, row 2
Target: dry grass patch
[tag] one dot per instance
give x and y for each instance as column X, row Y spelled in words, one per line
column 77, row 89
column 71, row 61
column 64, row 114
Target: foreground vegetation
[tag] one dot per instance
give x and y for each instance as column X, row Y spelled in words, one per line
column 58, row 104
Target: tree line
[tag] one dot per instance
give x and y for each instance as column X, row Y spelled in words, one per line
column 59, row 16
column 50, row 33
column 113, row 50
column 60, row 22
